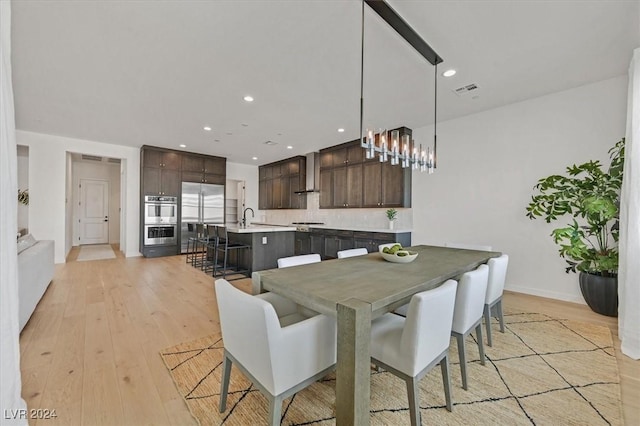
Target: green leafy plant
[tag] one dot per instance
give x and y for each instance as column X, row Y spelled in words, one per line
column 23, row 197
column 392, row 214
column 592, row 197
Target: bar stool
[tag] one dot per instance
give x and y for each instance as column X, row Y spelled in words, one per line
column 226, row 249
column 191, row 244
column 201, row 240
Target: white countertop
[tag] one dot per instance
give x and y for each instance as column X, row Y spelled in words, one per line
column 361, row 229
column 259, row 227
column 273, row 227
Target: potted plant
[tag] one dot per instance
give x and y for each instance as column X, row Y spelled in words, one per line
column 589, row 243
column 392, row 214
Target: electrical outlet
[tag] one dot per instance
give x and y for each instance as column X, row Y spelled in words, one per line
column 264, row 240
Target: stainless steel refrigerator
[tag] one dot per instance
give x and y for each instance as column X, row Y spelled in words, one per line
column 201, row 203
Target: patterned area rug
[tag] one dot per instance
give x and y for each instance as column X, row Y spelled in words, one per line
column 96, row 252
column 542, row 370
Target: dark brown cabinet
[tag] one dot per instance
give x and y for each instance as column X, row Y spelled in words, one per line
column 160, row 172
column 204, row 169
column 341, row 176
column 348, row 180
column 278, row 183
column 328, row 242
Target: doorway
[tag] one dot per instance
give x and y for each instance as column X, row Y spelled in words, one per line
column 94, row 195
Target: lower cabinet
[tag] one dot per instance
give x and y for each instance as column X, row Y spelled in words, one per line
column 303, row 243
column 328, row 242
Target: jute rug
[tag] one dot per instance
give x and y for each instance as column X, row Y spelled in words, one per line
column 542, row 371
column 96, row 252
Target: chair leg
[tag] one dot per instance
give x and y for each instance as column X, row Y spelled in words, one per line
column 414, row 400
column 500, row 315
column 463, row 359
column 446, row 381
column 224, row 383
column 275, row 408
column 480, row 342
column 487, row 323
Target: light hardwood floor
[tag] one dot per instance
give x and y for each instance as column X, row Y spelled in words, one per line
column 90, row 350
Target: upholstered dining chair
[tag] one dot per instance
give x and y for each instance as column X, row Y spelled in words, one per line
column 343, row 254
column 468, row 246
column 285, row 262
column 495, row 288
column 410, row 347
column 280, row 351
column 467, row 314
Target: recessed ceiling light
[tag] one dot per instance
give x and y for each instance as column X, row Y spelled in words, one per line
column 254, row 158
column 182, row 145
column 449, row 73
column 340, row 130
column 289, row 147
column 207, row 128
column 248, row 98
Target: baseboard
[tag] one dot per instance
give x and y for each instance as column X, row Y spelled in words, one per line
column 546, row 293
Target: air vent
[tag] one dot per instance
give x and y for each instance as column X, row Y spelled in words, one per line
column 465, row 90
column 114, row 160
column 91, row 157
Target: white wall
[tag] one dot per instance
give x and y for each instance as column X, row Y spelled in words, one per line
column 249, row 174
column 488, row 164
column 47, row 180
column 100, row 171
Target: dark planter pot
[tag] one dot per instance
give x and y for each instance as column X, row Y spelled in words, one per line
column 600, row 293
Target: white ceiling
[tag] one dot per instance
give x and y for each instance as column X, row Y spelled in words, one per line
column 156, row 72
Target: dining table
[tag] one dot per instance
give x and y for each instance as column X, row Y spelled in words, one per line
column 357, row 290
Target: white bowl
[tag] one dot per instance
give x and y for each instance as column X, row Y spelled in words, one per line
column 399, row 259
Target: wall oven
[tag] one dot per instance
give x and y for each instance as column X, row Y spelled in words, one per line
column 160, row 234
column 160, row 209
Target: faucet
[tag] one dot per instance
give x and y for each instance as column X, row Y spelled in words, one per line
column 244, row 215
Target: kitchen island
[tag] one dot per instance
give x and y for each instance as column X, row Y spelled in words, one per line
column 268, row 243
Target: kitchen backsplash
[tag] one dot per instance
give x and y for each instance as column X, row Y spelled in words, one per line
column 370, row 218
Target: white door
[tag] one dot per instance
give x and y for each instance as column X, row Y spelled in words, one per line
column 94, row 211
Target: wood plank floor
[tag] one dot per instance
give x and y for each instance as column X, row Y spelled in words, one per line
column 90, row 350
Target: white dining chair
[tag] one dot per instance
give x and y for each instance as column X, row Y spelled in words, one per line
column 467, row 314
column 410, row 347
column 280, row 351
column 495, row 288
column 468, row 246
column 304, row 259
column 343, row 254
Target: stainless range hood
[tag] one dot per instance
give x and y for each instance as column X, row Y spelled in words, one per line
column 313, row 173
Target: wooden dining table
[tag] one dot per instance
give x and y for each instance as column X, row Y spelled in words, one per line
column 357, row 290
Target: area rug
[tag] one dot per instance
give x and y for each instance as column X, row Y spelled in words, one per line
column 541, row 371
column 96, row 252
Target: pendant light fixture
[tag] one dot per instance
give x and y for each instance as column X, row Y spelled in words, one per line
column 401, row 150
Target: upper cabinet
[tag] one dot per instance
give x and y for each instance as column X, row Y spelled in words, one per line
column 348, row 180
column 278, row 183
column 164, row 170
column 204, row 169
column 160, row 172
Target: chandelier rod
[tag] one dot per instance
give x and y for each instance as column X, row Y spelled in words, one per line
column 401, row 26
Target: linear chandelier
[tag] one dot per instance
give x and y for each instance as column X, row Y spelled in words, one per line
column 389, row 144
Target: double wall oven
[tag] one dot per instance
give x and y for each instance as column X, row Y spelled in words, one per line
column 160, row 220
